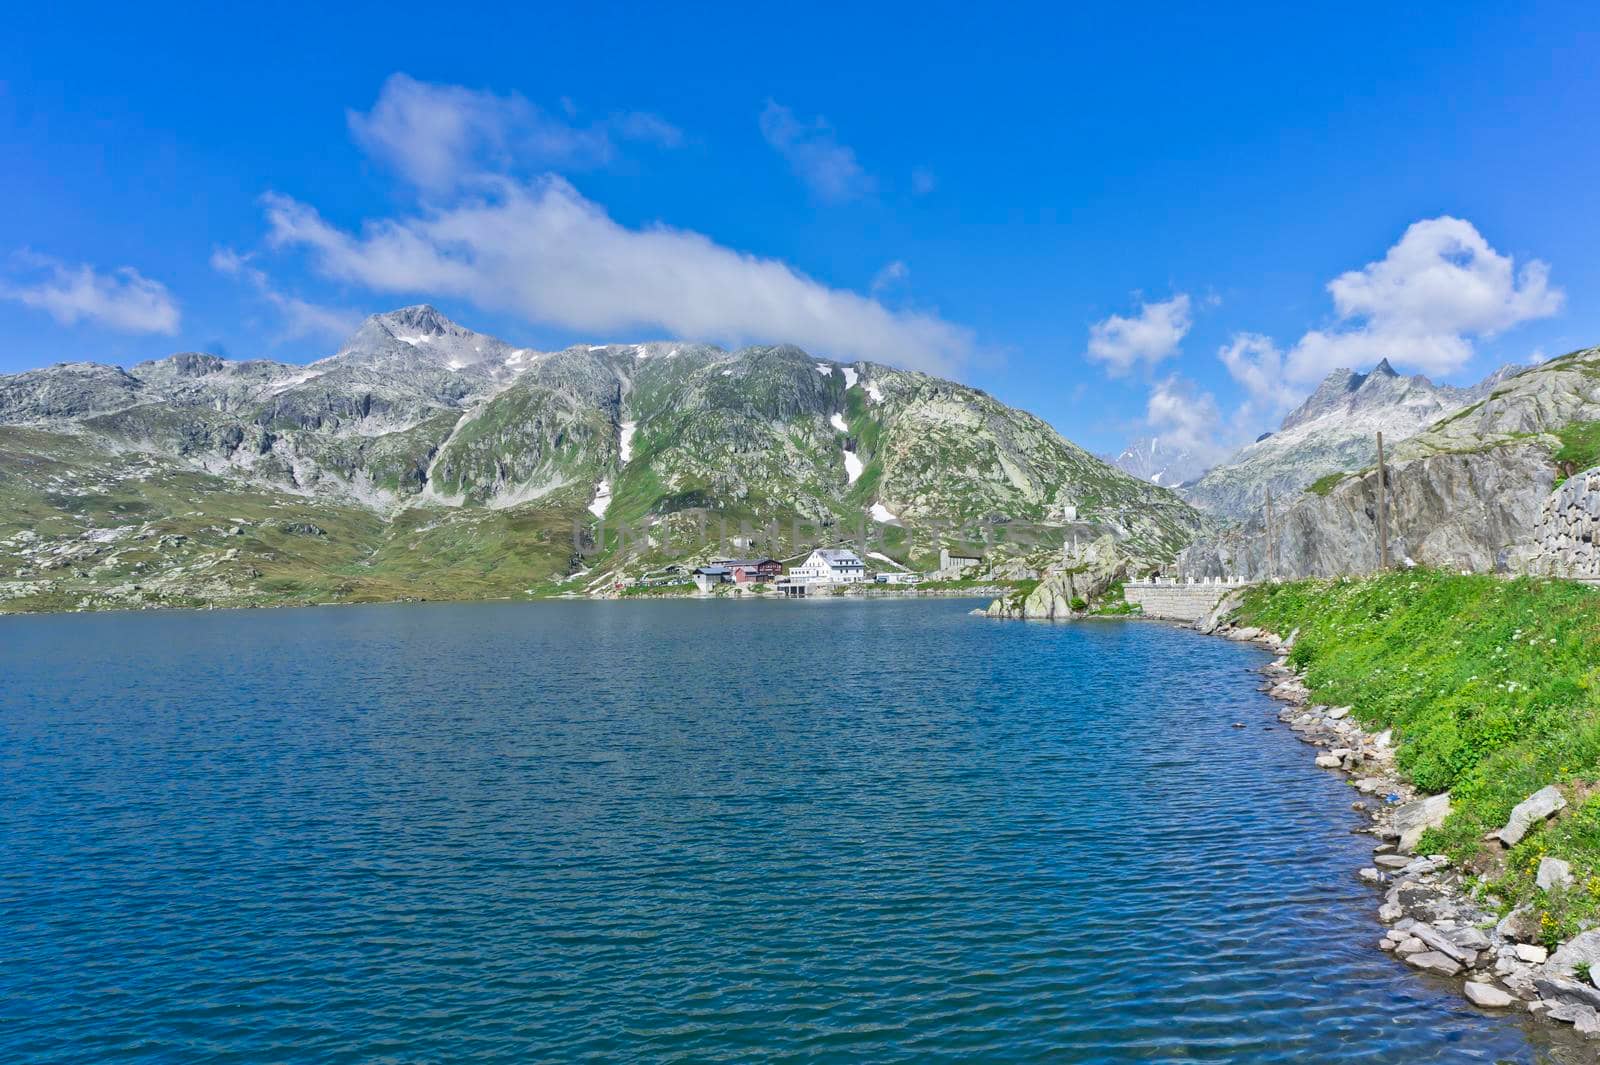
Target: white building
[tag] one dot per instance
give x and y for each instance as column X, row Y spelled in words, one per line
column 829, row 566
column 956, row 561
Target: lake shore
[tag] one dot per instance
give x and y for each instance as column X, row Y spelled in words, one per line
column 1435, row 913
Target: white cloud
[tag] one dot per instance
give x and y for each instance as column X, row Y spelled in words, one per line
column 891, row 276
column 123, row 300
column 1424, row 303
column 1153, row 335
column 438, row 136
column 301, row 318
column 1184, row 419
column 542, row 251
column 1256, row 363
column 827, row 167
column 1422, row 306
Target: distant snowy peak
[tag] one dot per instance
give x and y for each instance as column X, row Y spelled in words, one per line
column 1149, row 459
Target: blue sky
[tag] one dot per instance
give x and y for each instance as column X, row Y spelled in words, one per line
column 1169, row 221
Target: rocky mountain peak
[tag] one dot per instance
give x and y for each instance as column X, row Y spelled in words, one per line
column 419, row 319
column 419, row 338
column 195, row 363
column 1334, row 429
column 1148, row 459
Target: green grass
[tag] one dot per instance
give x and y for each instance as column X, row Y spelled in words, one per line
column 1113, row 603
column 1327, row 483
column 1492, row 688
column 1580, row 448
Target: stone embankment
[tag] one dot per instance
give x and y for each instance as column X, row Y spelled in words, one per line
column 1566, row 541
column 1432, row 921
column 1172, row 601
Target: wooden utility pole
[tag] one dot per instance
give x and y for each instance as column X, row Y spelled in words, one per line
column 1270, row 567
column 1383, row 508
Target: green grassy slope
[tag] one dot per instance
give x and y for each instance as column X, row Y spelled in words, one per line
column 1492, row 688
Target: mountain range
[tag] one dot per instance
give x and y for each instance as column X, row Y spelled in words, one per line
column 1466, row 492
column 426, row 460
column 1334, row 430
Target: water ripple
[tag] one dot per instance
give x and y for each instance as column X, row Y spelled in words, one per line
column 678, row 833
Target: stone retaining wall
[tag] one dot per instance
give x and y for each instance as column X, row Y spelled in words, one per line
column 1566, row 542
column 1176, row 602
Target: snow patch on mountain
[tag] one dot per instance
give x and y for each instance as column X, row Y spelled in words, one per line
column 852, row 466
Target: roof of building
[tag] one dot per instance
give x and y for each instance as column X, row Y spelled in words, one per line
column 714, row 571
column 839, row 554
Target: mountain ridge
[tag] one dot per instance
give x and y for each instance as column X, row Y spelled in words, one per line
column 518, row 468
column 1333, row 430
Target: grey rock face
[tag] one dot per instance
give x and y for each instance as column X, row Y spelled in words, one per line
column 1062, row 586
column 1519, row 926
column 1433, row 961
column 1553, row 873
column 66, row 390
column 1581, row 949
column 1473, row 511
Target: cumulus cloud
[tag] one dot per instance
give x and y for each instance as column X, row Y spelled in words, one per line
column 437, row 136
column 301, row 318
column 1423, row 306
column 828, row 168
column 542, row 251
column 1149, row 337
column 123, row 300
column 1256, row 363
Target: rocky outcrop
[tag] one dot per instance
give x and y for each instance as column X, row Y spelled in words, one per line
column 1414, row 818
column 1473, row 510
column 1068, row 590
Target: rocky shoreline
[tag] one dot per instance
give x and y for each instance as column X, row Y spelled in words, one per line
column 1432, row 916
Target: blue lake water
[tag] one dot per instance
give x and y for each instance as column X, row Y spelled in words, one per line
column 674, row 832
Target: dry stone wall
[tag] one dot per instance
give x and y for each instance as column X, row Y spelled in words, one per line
column 1564, row 541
